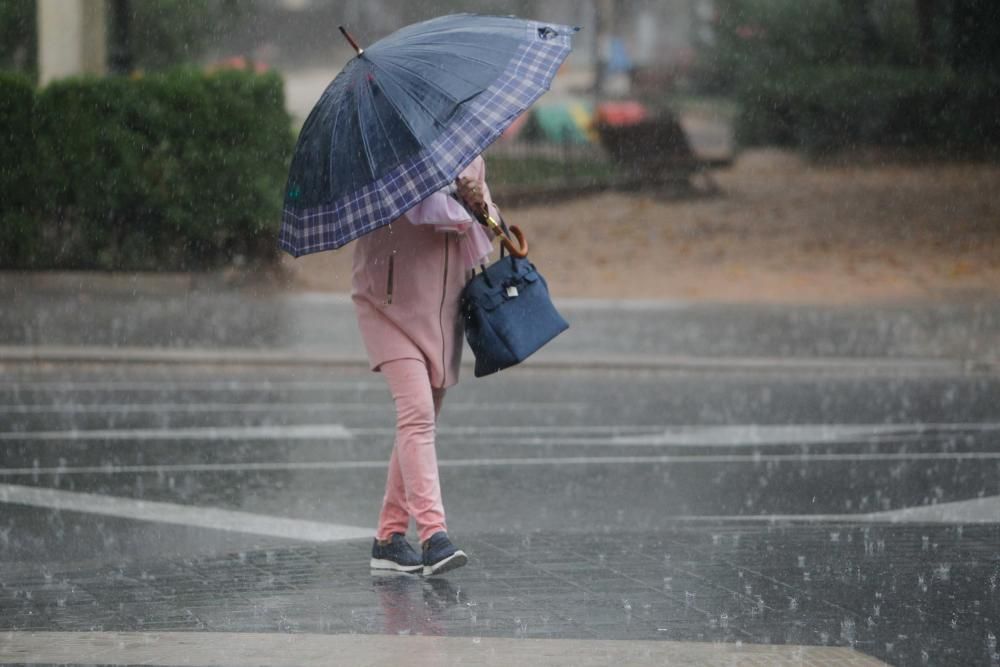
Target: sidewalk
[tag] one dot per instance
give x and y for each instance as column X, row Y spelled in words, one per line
column 198, row 318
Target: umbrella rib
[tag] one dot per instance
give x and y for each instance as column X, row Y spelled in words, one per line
column 395, row 61
column 430, row 83
column 429, row 47
column 406, row 92
column 333, row 132
column 365, row 96
column 392, row 145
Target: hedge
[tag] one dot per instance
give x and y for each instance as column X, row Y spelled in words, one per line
column 17, row 101
column 174, row 171
column 825, row 108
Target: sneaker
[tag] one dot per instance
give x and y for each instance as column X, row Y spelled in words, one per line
column 396, row 555
column 440, row 555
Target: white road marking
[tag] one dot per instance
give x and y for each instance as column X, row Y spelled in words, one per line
column 976, row 510
column 291, row 432
column 780, row 434
column 170, row 385
column 184, row 515
column 685, row 459
column 737, row 435
column 329, row 406
column 247, row 649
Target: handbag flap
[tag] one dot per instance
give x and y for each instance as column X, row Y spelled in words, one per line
column 491, row 290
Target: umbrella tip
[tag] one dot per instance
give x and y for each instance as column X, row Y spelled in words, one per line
column 350, row 39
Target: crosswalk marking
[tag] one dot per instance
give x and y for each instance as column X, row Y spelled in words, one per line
column 185, row 515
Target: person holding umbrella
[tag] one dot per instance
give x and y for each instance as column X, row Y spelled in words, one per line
column 406, row 283
column 390, row 157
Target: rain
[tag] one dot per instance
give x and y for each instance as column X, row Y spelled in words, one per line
column 730, row 393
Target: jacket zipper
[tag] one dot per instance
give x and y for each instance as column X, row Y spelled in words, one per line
column 388, row 285
column 444, row 294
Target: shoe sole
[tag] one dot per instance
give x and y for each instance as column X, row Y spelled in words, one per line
column 456, row 560
column 391, row 566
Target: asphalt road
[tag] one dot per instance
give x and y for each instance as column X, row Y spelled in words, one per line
column 841, row 510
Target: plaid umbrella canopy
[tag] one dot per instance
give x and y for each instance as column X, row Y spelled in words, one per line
column 404, row 117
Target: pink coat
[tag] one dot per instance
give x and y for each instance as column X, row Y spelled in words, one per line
column 406, row 284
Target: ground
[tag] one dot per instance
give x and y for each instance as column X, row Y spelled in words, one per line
column 782, row 229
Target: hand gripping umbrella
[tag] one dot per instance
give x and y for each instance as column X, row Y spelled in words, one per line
column 406, row 115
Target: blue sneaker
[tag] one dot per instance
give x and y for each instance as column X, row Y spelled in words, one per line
column 440, row 555
column 396, row 555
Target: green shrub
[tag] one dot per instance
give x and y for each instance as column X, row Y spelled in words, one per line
column 172, row 171
column 829, row 108
column 17, row 102
column 17, row 153
column 835, row 74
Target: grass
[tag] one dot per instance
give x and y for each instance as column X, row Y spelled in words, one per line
column 513, row 172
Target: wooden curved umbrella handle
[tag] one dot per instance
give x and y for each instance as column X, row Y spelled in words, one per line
column 521, row 252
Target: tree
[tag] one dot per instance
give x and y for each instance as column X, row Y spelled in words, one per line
column 18, row 38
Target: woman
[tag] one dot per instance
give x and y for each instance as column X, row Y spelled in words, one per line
column 406, row 284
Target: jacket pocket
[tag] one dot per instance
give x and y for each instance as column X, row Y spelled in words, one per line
column 390, row 277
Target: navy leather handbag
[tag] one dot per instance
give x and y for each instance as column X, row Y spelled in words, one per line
column 508, row 313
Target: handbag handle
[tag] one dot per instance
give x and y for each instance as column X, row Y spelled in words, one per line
column 501, row 231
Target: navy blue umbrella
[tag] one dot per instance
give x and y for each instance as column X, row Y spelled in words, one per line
column 405, row 116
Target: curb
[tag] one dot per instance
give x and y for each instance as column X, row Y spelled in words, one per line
column 592, row 362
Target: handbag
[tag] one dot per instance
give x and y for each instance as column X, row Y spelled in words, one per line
column 508, row 312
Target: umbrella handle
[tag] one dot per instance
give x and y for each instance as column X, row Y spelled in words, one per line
column 519, row 252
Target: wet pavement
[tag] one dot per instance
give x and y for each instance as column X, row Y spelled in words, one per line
column 741, row 515
column 178, row 312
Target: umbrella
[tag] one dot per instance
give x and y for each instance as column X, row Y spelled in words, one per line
column 406, row 115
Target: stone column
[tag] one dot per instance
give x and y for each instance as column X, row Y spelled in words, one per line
column 72, row 38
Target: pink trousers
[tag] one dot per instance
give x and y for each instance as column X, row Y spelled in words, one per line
column 412, row 487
